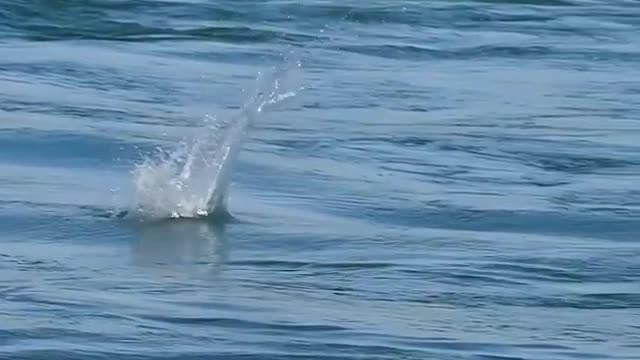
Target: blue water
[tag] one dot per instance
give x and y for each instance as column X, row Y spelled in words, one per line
column 447, row 180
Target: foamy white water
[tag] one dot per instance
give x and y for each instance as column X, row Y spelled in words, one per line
column 192, row 179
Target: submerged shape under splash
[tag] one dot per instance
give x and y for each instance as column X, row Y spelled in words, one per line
column 192, row 180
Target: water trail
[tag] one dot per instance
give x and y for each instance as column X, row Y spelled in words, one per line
column 192, row 180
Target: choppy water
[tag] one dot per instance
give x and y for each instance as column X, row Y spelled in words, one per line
column 452, row 180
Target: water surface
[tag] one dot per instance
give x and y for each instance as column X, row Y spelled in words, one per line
column 451, row 180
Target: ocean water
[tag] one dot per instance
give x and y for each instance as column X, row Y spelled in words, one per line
column 199, row 179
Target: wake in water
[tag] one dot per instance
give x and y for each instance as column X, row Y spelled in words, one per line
column 192, row 180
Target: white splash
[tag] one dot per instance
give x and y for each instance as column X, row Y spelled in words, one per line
column 192, row 180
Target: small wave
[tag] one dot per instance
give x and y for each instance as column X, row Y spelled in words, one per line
column 67, row 149
column 530, row 2
column 134, row 32
column 412, row 52
column 244, row 324
column 345, row 266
